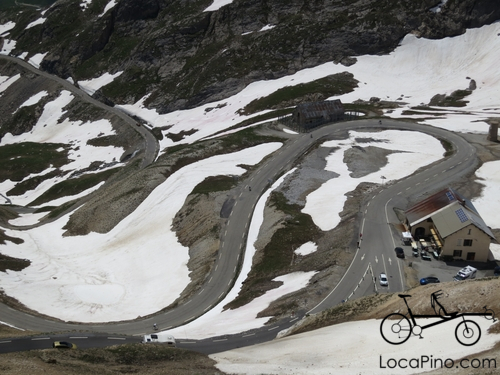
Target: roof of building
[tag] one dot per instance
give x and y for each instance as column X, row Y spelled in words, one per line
column 319, row 109
column 449, row 212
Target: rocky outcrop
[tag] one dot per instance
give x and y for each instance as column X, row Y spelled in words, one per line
column 184, row 56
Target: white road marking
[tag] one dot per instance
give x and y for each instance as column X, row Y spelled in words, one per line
column 116, row 338
column 40, row 338
column 250, row 334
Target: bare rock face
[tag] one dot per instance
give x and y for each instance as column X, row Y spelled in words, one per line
column 183, row 56
column 132, row 10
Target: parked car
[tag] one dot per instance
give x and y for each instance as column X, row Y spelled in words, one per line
column 496, row 271
column 425, row 255
column 383, row 279
column 63, row 345
column 399, row 252
column 465, row 273
column 429, row 280
column 415, row 253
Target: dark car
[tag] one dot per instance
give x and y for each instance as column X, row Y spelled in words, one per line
column 399, row 252
column 429, row 280
column 63, row 345
column 496, row 271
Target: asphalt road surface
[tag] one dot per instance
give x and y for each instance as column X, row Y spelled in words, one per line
column 151, row 146
column 376, row 248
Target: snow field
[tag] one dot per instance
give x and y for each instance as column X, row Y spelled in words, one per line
column 353, row 348
column 421, row 67
column 117, row 275
column 48, row 129
column 412, row 151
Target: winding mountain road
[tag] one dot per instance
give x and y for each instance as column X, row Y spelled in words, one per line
column 376, row 248
column 151, row 146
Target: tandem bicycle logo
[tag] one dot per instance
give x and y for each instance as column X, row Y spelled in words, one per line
column 396, row 329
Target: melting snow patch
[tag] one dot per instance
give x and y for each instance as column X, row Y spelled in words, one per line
column 5, row 82
column 108, row 6
column 267, row 27
column 488, row 204
column 34, row 99
column 217, row 4
column 35, row 60
column 307, row 248
column 36, row 22
column 8, row 46
column 6, row 27
column 92, row 85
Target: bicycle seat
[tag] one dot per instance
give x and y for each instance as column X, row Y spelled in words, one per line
column 403, row 295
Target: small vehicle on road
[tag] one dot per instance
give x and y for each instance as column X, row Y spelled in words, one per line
column 63, row 345
column 429, row 280
column 425, row 255
column 399, row 252
column 383, row 279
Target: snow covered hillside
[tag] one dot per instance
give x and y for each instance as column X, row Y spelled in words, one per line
column 79, row 288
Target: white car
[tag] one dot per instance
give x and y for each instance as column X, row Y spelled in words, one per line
column 383, row 279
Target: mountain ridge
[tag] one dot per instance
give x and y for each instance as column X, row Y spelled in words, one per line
column 182, row 56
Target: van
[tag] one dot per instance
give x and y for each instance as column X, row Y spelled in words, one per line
column 163, row 339
column 466, row 273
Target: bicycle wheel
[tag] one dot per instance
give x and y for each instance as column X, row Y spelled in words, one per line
column 491, row 312
column 395, row 329
column 468, row 332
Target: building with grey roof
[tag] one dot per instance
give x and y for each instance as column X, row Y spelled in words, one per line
column 310, row 115
column 453, row 225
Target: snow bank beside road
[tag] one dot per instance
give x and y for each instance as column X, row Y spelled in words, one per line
column 352, row 348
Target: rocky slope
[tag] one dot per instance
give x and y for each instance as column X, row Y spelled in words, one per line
column 184, row 56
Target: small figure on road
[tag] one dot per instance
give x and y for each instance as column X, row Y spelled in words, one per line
column 249, row 188
column 311, row 135
column 155, row 327
column 380, row 122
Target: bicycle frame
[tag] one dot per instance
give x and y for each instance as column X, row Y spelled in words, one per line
column 396, row 328
column 444, row 319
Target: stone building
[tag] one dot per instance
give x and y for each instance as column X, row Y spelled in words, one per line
column 453, row 224
column 310, row 115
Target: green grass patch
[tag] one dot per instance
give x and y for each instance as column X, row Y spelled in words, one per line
column 59, row 210
column 448, row 146
column 22, row 159
column 32, row 183
column 298, row 229
column 246, row 138
column 73, row 186
column 213, row 184
column 336, row 84
column 21, row 122
column 146, row 354
column 9, row 263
